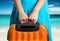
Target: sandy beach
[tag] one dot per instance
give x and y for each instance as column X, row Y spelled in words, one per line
column 3, row 34
column 55, row 34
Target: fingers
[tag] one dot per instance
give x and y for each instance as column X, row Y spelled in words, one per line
column 23, row 20
column 32, row 20
column 23, row 17
column 28, row 20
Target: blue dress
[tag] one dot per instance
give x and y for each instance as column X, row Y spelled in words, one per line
column 43, row 15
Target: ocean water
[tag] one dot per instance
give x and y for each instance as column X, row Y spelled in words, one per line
column 5, row 21
column 55, row 21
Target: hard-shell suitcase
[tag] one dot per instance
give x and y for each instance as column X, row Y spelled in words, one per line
column 27, row 32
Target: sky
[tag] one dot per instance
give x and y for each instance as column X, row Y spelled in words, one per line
column 6, row 6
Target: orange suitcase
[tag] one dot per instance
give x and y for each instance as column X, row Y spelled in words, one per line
column 27, row 32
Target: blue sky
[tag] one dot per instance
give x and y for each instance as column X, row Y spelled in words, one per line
column 6, row 6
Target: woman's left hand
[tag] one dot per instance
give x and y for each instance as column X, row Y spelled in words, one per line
column 33, row 17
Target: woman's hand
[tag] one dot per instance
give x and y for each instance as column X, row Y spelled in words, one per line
column 34, row 14
column 23, row 17
column 33, row 17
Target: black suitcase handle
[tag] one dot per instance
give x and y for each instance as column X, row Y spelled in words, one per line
column 27, row 27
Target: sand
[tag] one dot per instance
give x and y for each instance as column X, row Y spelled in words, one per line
column 55, row 34
column 3, row 34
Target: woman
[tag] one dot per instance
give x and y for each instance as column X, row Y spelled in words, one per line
column 34, row 10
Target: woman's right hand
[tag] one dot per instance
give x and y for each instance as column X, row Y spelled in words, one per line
column 23, row 17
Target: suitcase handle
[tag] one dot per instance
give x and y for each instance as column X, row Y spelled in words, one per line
column 27, row 27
